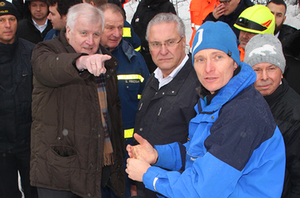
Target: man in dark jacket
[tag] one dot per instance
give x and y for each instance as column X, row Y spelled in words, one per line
column 36, row 25
column 282, row 31
column 15, row 106
column 132, row 70
column 228, row 12
column 77, row 134
column 145, row 11
column 264, row 54
column 170, row 95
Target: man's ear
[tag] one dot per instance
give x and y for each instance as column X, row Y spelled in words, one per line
column 68, row 32
column 284, row 19
column 92, row 3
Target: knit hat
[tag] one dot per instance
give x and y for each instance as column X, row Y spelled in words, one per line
column 216, row 35
column 264, row 48
column 7, row 8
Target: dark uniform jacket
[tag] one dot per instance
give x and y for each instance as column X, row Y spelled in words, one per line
column 15, row 96
column 285, row 107
column 67, row 135
column 145, row 11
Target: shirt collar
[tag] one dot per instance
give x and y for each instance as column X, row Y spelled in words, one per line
column 163, row 81
column 41, row 28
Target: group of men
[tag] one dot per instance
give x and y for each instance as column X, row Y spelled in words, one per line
column 204, row 124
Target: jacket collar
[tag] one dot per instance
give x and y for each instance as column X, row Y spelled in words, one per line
column 242, row 80
column 278, row 93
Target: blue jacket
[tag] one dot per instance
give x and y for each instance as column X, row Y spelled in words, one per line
column 132, row 76
column 235, row 148
column 51, row 34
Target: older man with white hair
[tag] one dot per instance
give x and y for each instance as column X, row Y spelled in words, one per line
column 77, row 143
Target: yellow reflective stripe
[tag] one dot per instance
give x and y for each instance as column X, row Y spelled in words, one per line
column 131, row 77
column 138, row 49
column 128, row 133
column 139, row 96
column 126, row 32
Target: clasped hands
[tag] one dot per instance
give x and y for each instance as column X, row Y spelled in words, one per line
column 93, row 63
column 141, row 156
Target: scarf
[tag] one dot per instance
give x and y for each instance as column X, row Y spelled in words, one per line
column 108, row 150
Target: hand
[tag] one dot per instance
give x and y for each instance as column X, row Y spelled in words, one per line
column 143, row 151
column 93, row 63
column 218, row 11
column 136, row 168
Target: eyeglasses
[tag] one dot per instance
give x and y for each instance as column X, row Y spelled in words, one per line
column 168, row 44
column 226, row 2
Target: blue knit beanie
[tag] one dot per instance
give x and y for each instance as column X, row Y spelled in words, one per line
column 216, row 35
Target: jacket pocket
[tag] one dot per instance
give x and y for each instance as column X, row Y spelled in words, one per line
column 62, row 163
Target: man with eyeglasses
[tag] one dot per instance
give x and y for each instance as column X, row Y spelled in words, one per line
column 168, row 99
column 228, row 11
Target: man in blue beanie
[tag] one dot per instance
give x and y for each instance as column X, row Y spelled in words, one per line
column 235, row 148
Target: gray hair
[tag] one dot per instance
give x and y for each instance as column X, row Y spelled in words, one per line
column 89, row 12
column 167, row 18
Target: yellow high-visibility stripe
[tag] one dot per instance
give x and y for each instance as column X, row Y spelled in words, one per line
column 139, row 96
column 138, row 49
column 126, row 32
column 128, row 133
column 131, row 77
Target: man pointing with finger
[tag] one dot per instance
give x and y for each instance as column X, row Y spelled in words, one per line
column 77, row 143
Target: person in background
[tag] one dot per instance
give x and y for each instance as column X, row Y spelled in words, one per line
column 36, row 25
column 199, row 9
column 278, row 8
column 128, row 33
column 15, row 107
column 167, row 102
column 264, row 53
column 235, row 148
column 228, row 11
column 145, row 11
column 77, row 144
column 58, row 10
column 132, row 70
column 256, row 19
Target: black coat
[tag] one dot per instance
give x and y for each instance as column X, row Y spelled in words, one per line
column 285, row 32
column 291, row 49
column 164, row 114
column 145, row 11
column 285, row 107
column 15, row 96
column 28, row 31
